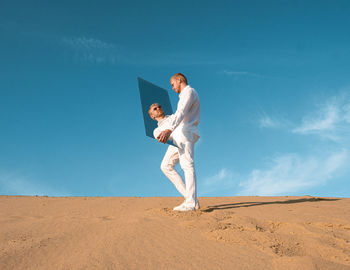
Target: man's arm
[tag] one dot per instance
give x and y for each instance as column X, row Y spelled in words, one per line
column 164, row 136
column 156, row 132
column 183, row 107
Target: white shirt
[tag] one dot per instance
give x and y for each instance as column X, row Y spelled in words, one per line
column 176, row 136
column 187, row 115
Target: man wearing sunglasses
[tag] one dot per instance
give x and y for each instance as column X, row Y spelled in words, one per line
column 181, row 127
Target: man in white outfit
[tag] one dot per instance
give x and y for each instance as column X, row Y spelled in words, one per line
column 182, row 127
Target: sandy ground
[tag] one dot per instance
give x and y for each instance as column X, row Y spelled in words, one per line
column 144, row 233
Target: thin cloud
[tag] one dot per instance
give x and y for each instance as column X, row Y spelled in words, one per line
column 83, row 43
column 222, row 181
column 237, row 74
column 15, row 184
column 331, row 121
column 291, row 173
column 326, row 119
column 81, row 49
column 346, row 111
column 265, row 121
column 275, row 121
column 92, row 50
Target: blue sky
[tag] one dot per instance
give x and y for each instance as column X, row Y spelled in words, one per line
column 272, row 76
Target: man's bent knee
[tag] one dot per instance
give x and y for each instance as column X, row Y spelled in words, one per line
column 166, row 167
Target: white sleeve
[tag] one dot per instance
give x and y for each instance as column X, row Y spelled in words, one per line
column 183, row 107
column 156, row 132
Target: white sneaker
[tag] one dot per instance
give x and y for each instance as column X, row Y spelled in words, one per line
column 183, row 207
column 197, row 206
column 179, row 206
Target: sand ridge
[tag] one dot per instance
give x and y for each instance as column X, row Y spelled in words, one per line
column 144, row 233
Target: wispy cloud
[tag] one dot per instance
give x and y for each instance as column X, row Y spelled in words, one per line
column 346, row 116
column 290, row 173
column 267, row 121
column 326, row 119
column 16, row 184
column 238, row 74
column 95, row 51
column 222, row 181
column 331, row 120
column 92, row 50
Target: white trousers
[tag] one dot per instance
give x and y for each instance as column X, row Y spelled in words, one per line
column 184, row 154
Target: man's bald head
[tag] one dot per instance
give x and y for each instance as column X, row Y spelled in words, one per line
column 179, row 76
column 178, row 82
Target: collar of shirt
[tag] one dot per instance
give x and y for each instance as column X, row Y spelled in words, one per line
column 184, row 90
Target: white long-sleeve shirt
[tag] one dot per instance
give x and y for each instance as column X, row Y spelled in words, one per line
column 176, row 136
column 187, row 115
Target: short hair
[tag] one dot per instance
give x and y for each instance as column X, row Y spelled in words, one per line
column 179, row 76
column 150, row 108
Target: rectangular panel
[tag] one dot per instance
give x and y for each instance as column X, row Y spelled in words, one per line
column 149, row 94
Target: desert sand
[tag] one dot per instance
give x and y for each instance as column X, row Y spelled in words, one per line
column 144, row 233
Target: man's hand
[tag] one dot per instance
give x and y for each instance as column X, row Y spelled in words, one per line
column 164, row 136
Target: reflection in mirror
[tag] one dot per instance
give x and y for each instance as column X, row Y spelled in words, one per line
column 149, row 94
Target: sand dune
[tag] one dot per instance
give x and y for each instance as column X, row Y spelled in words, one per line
column 144, row 233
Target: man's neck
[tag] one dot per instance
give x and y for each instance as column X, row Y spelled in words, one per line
column 182, row 86
column 159, row 118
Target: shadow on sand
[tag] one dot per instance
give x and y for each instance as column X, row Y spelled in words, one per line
column 250, row 204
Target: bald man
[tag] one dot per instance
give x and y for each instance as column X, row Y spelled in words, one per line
column 182, row 127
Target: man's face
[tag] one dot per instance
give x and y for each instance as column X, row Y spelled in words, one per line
column 157, row 111
column 175, row 84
